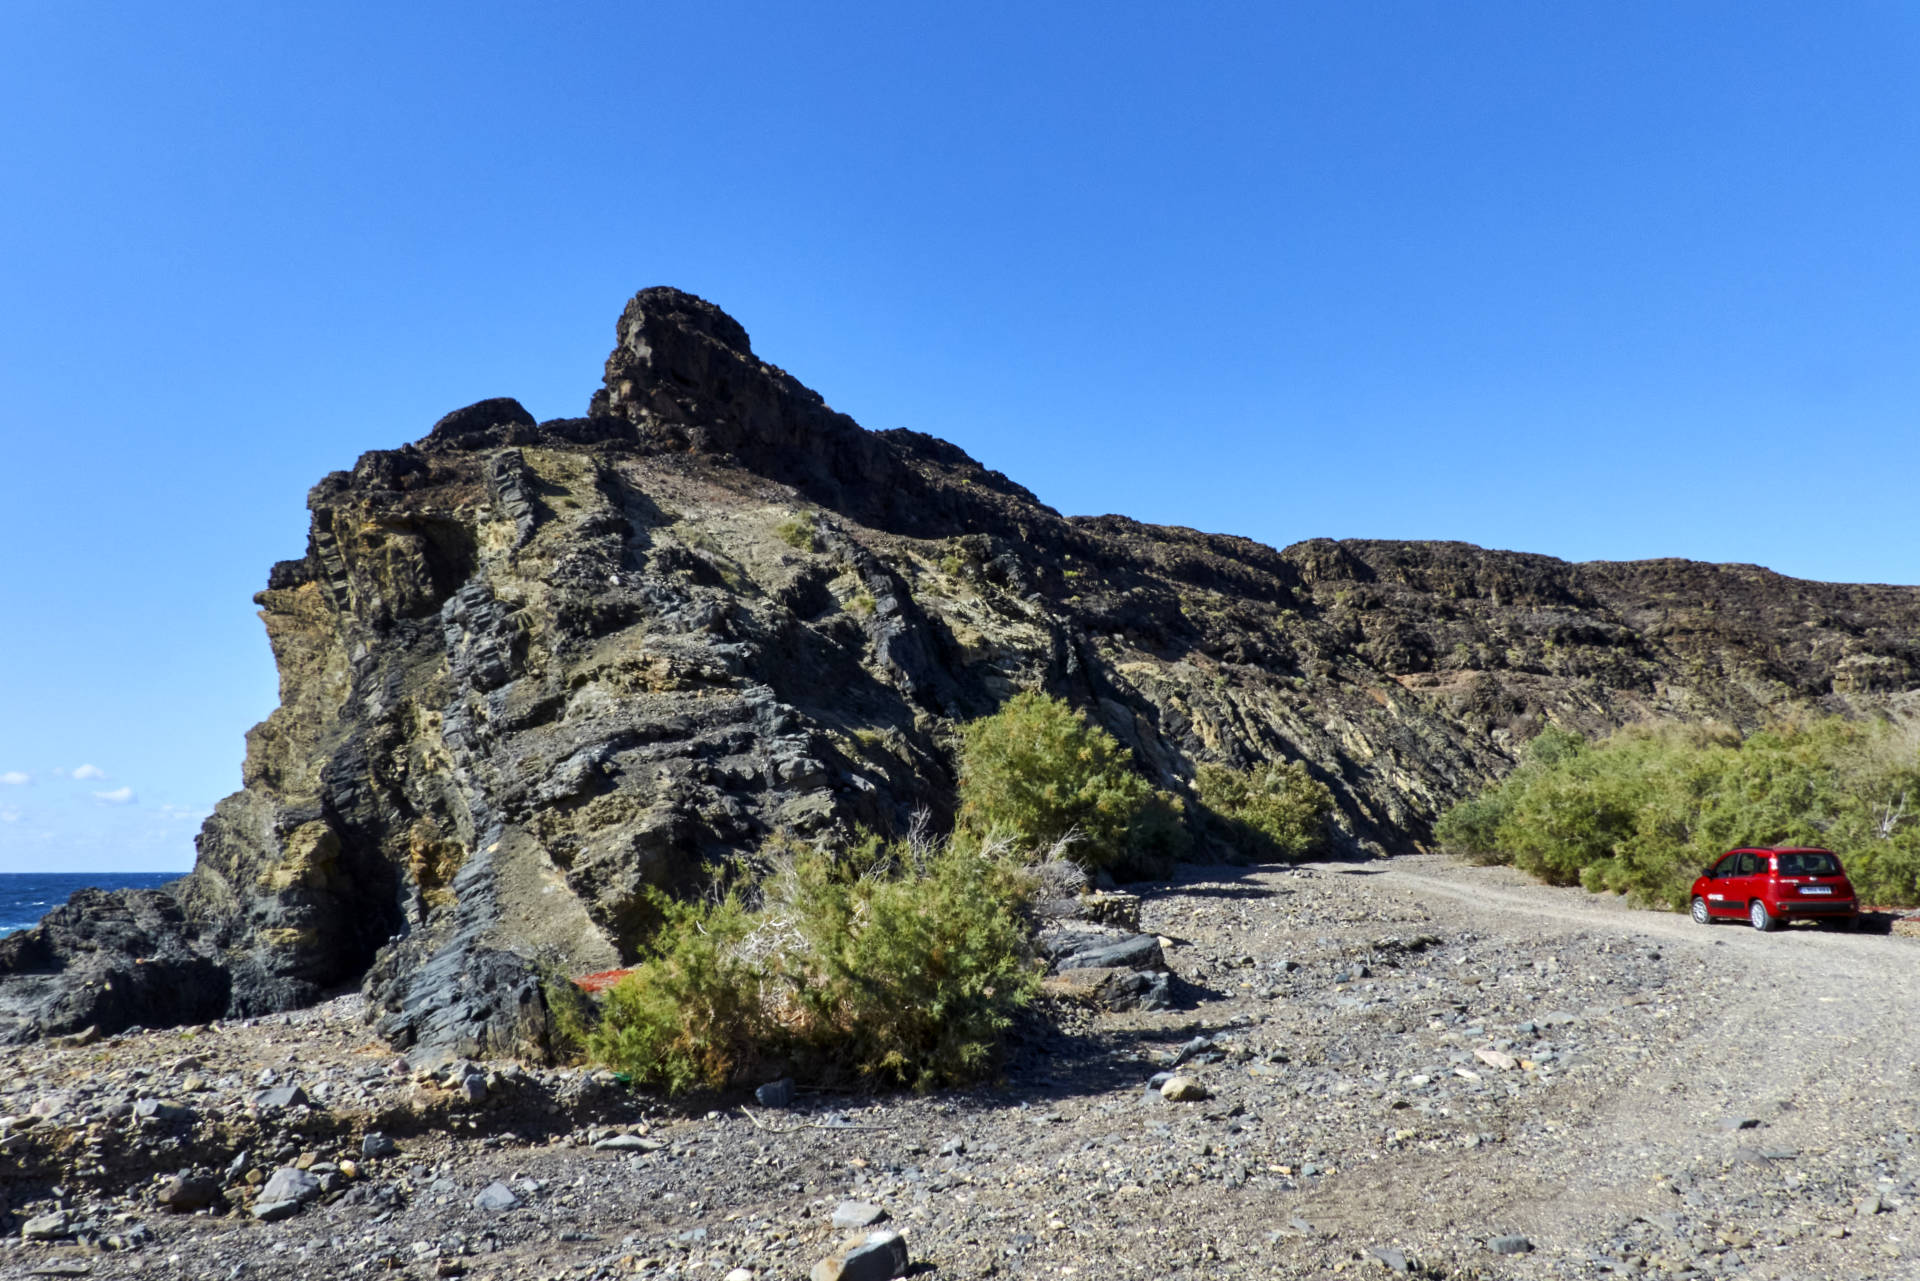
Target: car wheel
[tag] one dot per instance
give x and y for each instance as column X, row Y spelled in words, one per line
column 1700, row 916
column 1762, row 919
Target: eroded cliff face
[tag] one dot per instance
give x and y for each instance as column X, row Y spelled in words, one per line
column 529, row 670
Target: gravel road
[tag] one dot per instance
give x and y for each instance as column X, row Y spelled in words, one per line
column 1410, row 1067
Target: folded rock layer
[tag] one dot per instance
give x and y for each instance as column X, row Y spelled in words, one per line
column 530, row 670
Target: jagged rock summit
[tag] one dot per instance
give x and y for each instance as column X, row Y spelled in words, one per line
column 531, row 670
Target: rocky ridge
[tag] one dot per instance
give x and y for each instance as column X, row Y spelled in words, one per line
column 529, row 670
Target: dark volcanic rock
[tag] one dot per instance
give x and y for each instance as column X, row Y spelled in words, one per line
column 529, row 670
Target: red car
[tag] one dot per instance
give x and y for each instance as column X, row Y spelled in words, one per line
column 1771, row 886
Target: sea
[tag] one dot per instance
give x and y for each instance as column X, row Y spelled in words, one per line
column 25, row 897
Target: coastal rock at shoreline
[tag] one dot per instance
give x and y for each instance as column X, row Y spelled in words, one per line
column 530, row 671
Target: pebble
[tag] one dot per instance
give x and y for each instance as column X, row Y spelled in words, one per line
column 285, row 1096
column 1184, row 1089
column 496, row 1198
column 187, row 1191
column 162, row 1110
column 776, row 1094
column 849, row 1215
column 1391, row 1259
column 288, row 1184
column 47, row 1227
column 629, row 1143
column 1509, row 1245
column 877, row 1256
column 1197, row 1046
column 377, row 1144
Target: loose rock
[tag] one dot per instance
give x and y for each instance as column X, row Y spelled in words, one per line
column 877, row 1256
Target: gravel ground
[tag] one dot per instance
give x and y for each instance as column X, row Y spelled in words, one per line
column 1410, row 1067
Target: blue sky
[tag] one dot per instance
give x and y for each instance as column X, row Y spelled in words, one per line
column 1601, row 281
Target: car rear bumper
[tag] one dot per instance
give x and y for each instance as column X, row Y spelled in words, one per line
column 1817, row 907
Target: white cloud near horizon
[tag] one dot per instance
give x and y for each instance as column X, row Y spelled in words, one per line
column 87, row 773
column 118, row 796
column 15, row 778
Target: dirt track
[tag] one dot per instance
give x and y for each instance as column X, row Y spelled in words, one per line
column 1808, row 1032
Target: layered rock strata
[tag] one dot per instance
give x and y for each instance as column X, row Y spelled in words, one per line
column 530, row 671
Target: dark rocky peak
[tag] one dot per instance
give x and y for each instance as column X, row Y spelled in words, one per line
column 684, row 373
column 684, row 376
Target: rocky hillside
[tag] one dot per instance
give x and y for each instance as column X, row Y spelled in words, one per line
column 529, row 670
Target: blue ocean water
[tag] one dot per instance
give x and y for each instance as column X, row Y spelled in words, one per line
column 25, row 897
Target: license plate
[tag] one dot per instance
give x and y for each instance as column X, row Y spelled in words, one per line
column 1816, row 889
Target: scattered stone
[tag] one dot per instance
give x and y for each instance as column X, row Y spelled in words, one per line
column 377, row 1144
column 877, row 1256
column 473, row 1088
column 1391, row 1259
column 281, row 1097
column 186, row 1192
column 1197, row 1046
column 776, row 1094
column 289, row 1184
column 1184, row 1089
column 629, row 1143
column 1141, row 952
column 1869, row 1207
column 1732, row 1123
column 1509, row 1245
column 1111, row 988
column 849, row 1215
column 48, row 1227
column 1497, row 1059
column 496, row 1198
column 162, row 1110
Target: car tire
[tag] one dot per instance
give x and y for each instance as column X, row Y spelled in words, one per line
column 1760, row 917
column 1700, row 914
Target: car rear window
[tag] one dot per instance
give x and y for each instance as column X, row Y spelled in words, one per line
column 1808, row 865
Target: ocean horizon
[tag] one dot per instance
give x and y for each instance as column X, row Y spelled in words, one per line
column 25, row 897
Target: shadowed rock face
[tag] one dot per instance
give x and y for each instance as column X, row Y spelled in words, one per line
column 529, row 670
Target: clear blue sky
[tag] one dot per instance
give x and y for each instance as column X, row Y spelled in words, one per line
column 1602, row 281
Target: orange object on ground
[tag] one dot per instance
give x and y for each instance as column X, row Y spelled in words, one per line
column 602, row 981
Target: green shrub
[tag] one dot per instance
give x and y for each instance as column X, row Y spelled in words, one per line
column 1035, row 773
column 1276, row 812
column 900, row 963
column 1642, row 811
column 797, row 531
column 914, row 958
column 690, row 1013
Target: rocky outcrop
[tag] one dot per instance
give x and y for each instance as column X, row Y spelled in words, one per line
column 532, row 671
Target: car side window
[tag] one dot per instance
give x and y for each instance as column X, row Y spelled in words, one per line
column 1748, row 865
column 1725, row 866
